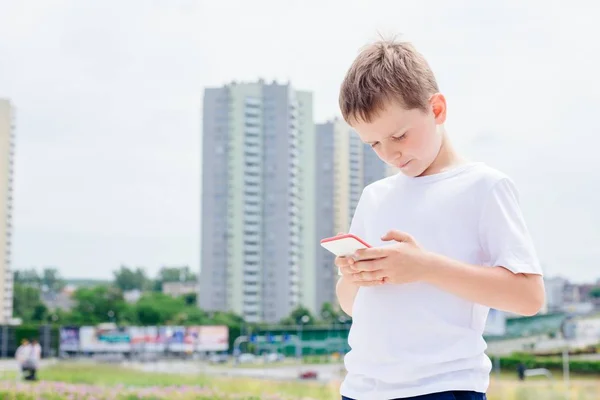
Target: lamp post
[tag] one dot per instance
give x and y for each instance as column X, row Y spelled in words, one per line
column 568, row 330
column 343, row 321
column 299, row 350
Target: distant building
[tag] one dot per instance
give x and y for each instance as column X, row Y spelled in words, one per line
column 177, row 289
column 258, row 236
column 585, row 292
column 564, row 296
column 132, row 296
column 7, row 143
column 62, row 300
column 555, row 293
column 344, row 166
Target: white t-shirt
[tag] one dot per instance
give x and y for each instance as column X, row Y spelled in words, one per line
column 414, row 339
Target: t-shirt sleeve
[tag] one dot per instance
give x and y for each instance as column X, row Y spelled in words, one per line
column 505, row 239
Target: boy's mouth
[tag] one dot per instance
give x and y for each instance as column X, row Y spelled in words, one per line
column 401, row 166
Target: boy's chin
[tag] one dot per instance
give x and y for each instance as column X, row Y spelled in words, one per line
column 410, row 171
column 411, row 174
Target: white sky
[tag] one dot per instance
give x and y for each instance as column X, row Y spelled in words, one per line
column 108, row 97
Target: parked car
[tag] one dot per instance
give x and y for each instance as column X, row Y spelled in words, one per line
column 308, row 375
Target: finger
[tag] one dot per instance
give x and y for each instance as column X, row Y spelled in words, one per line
column 372, row 253
column 368, row 276
column 347, row 271
column 367, row 265
column 397, row 236
column 370, row 265
column 343, row 261
column 371, row 283
column 370, row 261
column 340, row 262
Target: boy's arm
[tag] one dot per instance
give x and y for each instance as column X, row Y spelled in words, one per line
column 346, row 293
column 495, row 287
column 510, row 280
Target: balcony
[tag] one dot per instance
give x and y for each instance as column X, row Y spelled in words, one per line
column 252, row 259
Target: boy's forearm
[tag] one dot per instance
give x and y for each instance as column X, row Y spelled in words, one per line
column 495, row 287
column 346, row 293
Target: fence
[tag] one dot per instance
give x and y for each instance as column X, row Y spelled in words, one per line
column 11, row 337
column 300, row 340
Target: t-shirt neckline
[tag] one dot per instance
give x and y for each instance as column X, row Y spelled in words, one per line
column 440, row 175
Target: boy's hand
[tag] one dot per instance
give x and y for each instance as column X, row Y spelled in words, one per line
column 345, row 266
column 402, row 262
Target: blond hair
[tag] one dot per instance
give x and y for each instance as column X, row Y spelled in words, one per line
column 385, row 71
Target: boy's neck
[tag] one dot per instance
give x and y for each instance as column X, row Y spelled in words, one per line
column 446, row 159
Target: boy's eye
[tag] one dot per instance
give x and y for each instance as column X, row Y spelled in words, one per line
column 399, row 137
column 374, row 144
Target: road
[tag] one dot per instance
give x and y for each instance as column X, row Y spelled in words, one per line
column 325, row 372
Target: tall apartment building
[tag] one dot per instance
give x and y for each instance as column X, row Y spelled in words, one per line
column 345, row 166
column 6, row 179
column 258, row 201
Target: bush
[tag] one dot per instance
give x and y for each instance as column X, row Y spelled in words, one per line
column 551, row 363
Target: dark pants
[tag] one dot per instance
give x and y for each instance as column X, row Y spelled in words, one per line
column 30, row 373
column 454, row 395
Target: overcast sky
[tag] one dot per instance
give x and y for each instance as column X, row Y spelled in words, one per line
column 109, row 97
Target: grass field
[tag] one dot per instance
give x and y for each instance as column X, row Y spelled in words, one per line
column 107, row 382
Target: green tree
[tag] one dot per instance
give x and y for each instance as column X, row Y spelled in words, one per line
column 40, row 313
column 51, row 280
column 300, row 315
column 25, row 299
column 156, row 308
column 27, row 277
column 192, row 315
column 128, row 279
column 328, row 314
column 98, row 304
column 173, row 274
column 595, row 293
column 176, row 274
column 190, row 299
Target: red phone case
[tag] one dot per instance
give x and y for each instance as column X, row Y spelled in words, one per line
column 345, row 236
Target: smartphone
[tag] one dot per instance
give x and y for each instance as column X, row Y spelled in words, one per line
column 344, row 245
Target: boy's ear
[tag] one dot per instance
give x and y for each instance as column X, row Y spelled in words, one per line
column 438, row 107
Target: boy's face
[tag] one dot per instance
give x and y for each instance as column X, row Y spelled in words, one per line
column 406, row 139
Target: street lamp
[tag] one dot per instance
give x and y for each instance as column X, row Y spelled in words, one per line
column 299, row 349
column 326, row 315
column 343, row 321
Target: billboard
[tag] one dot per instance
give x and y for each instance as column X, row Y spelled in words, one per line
column 177, row 339
column 104, row 339
column 147, row 339
column 69, row 338
column 213, row 338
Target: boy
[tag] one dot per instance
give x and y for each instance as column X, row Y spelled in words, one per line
column 454, row 242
